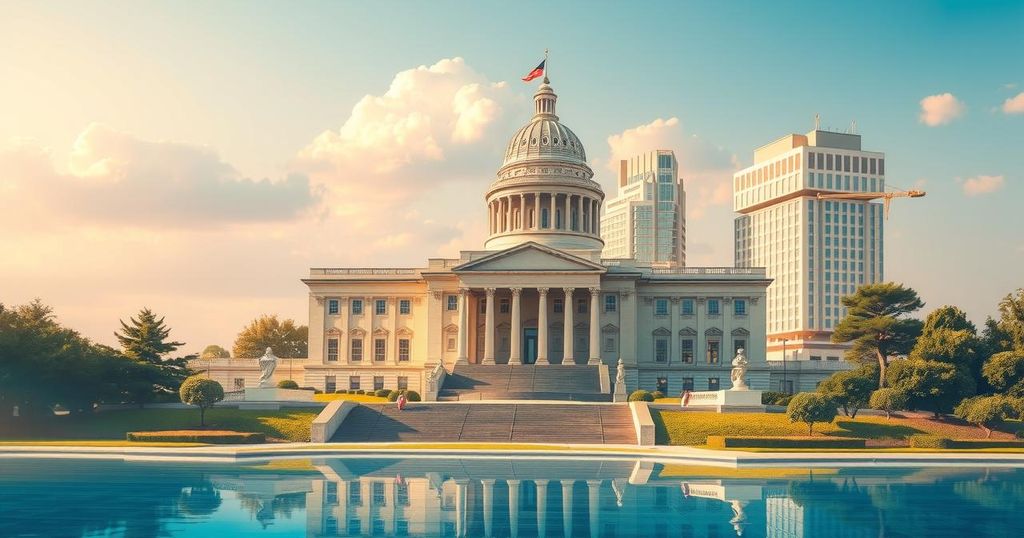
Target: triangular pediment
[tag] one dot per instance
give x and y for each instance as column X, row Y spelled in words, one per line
column 530, row 257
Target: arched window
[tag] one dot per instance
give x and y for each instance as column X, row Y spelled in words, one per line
column 544, row 218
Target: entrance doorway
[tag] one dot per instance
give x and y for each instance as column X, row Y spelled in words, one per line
column 529, row 346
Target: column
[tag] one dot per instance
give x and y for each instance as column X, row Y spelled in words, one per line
column 508, row 214
column 522, row 213
column 595, row 326
column 513, row 507
column 515, row 353
column 542, row 327
column 344, row 307
column 579, row 214
column 488, row 501
column 567, row 507
column 489, row 328
column 393, row 327
column 552, row 224
column 460, row 506
column 542, row 507
column 595, row 215
column 536, row 211
column 594, row 506
column 463, row 358
column 567, row 329
column 567, row 220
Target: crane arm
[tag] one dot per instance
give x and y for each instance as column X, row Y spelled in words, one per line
column 885, row 196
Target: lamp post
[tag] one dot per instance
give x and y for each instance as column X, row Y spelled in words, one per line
column 785, row 385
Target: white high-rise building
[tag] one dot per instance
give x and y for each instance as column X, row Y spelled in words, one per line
column 817, row 251
column 646, row 222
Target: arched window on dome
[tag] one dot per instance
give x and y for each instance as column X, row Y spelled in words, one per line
column 544, row 218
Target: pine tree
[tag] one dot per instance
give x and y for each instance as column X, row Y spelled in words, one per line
column 144, row 339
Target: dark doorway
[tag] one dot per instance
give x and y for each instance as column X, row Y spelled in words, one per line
column 529, row 346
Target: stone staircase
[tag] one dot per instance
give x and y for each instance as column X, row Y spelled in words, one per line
column 489, row 422
column 504, row 382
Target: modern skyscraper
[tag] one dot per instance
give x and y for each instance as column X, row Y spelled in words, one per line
column 817, row 251
column 647, row 220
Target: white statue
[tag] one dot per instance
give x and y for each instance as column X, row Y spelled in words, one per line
column 268, row 363
column 620, row 374
column 739, row 371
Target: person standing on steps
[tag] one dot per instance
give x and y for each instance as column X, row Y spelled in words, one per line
column 402, row 400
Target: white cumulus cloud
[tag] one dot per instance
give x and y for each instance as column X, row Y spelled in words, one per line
column 978, row 185
column 940, row 109
column 1014, row 105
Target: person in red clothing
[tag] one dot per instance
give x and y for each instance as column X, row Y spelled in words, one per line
column 402, row 400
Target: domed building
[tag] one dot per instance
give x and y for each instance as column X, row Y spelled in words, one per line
column 537, row 298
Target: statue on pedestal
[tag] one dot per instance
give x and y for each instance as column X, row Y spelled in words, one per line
column 739, row 371
column 268, row 363
column 619, row 390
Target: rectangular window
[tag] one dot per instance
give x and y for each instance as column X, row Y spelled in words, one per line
column 356, row 354
column 609, row 344
column 453, row 302
column 403, row 382
column 357, row 306
column 610, row 303
column 686, row 351
column 871, row 162
column 687, row 307
column 810, row 160
column 332, row 350
column 378, row 382
column 661, row 350
column 380, row 307
column 714, row 347
column 330, row 384
column 353, row 382
column 331, row 492
column 815, row 357
column 403, row 350
column 687, row 384
column 483, row 306
column 355, row 498
column 451, row 343
column 662, row 387
column 378, row 496
column 739, row 307
column 404, row 307
column 332, row 307
column 581, row 306
column 661, row 307
column 832, row 358
column 557, row 306
column 402, row 494
column 379, row 349
column 239, row 383
column 714, row 308
column 504, row 307
column 846, row 163
column 713, row 383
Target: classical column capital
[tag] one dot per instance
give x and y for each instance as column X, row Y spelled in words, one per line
column 542, row 291
column 490, row 292
column 464, row 291
column 726, row 300
column 675, row 300
column 569, row 291
column 516, row 291
column 595, row 290
column 753, row 300
column 319, row 299
column 438, row 294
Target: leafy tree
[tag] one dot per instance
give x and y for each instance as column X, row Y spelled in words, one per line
column 948, row 317
column 930, row 385
column 954, row 346
column 888, row 400
column 213, row 351
column 201, row 392
column 145, row 338
column 850, row 389
column 811, row 407
column 1005, row 372
column 876, row 325
column 1011, row 318
column 988, row 412
column 285, row 338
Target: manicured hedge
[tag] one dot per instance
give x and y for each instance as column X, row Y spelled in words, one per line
column 381, row 392
column 198, row 436
column 722, row 441
column 640, row 396
column 934, row 441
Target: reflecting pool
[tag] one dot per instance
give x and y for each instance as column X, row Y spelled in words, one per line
column 500, row 498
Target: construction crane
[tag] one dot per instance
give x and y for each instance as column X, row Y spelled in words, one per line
column 885, row 196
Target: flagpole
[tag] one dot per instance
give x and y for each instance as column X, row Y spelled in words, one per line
column 546, row 65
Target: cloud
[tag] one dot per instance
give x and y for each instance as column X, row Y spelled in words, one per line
column 940, row 109
column 1014, row 105
column 705, row 167
column 114, row 178
column 978, row 185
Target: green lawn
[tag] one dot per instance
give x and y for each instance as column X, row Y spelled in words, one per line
column 692, row 427
column 283, row 425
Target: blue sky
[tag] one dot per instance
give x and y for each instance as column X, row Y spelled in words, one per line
column 255, row 84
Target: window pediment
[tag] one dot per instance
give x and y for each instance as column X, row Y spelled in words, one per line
column 740, row 332
column 714, row 331
column 686, row 331
column 333, row 331
column 451, row 328
column 358, row 333
column 661, row 331
column 404, row 331
column 610, row 328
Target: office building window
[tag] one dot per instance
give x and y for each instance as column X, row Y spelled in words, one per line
column 687, row 307
column 357, row 306
column 332, row 350
column 660, row 349
column 686, row 351
column 661, row 307
column 714, row 346
column 356, row 354
column 714, row 307
column 556, row 305
column 453, row 302
column 380, row 307
column 353, row 382
column 330, row 384
column 713, row 383
column 378, row 382
column 739, row 307
column 610, row 303
column 404, row 307
column 379, row 349
column 332, row 307
column 403, row 382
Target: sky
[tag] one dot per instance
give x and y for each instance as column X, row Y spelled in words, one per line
column 197, row 158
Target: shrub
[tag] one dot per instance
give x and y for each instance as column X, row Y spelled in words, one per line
column 640, row 396
column 309, row 388
column 929, row 441
column 382, row 392
column 722, row 441
column 657, row 395
column 888, row 400
column 200, row 436
column 317, row 391
column 934, row 441
column 393, row 395
column 988, row 412
column 201, row 392
column 811, row 407
column 850, row 390
column 341, row 391
column 769, row 397
column 784, row 401
column 287, row 384
column 413, row 396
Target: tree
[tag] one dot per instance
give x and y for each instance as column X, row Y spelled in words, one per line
column 988, row 412
column 811, row 407
column 213, row 351
column 1011, row 318
column 930, row 385
column 145, row 338
column 850, row 389
column 201, row 392
column 286, row 339
column 875, row 324
column 948, row 317
column 888, row 400
column 947, row 336
column 1005, row 373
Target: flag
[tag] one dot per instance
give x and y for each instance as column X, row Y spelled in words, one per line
column 537, row 71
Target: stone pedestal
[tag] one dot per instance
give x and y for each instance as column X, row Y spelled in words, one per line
column 269, row 398
column 726, row 401
column 620, row 393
